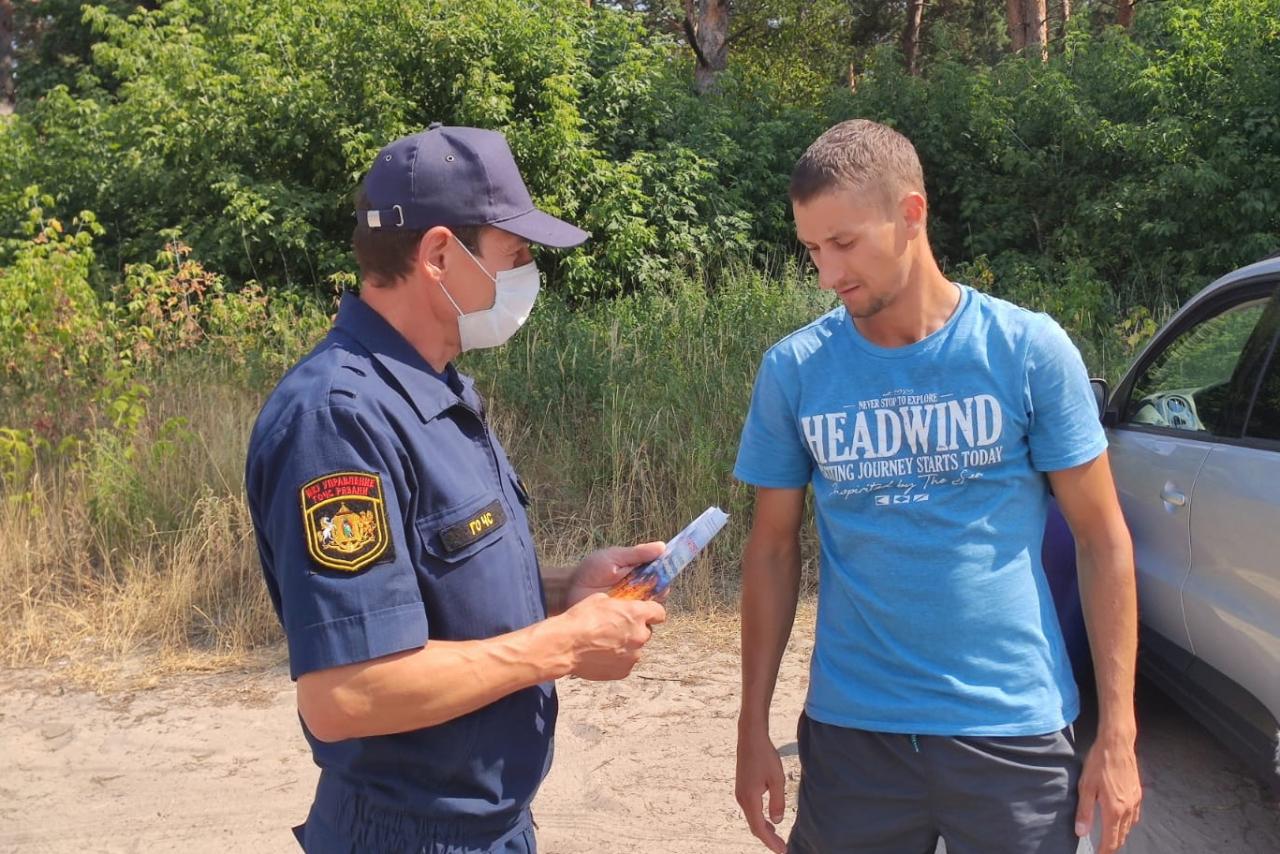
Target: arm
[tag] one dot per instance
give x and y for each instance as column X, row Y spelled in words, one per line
column 1104, row 561
column 770, row 590
column 599, row 638
column 359, row 641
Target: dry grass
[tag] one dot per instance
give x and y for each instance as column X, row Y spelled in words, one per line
column 106, row 600
column 144, row 557
column 628, row 503
column 134, row 556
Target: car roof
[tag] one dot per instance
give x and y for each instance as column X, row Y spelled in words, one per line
column 1269, row 266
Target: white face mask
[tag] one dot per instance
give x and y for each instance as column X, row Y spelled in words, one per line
column 514, row 294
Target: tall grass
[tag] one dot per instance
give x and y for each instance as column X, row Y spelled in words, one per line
column 140, row 543
column 623, row 418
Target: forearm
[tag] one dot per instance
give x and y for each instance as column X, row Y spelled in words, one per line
column 1109, row 597
column 770, row 592
column 429, row 686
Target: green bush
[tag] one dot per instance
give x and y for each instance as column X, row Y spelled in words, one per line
column 53, row 333
column 1151, row 161
column 81, row 363
column 1103, row 187
column 247, row 125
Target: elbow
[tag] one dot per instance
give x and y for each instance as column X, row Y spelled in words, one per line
column 1110, row 554
column 767, row 557
column 767, row 545
column 327, row 728
column 327, row 717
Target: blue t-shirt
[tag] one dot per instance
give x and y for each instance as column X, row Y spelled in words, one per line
column 934, row 615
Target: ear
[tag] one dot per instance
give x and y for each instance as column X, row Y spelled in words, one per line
column 433, row 251
column 913, row 209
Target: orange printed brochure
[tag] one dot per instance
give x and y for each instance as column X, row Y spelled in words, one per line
column 652, row 579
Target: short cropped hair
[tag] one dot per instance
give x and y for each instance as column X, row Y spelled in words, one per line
column 858, row 155
column 386, row 255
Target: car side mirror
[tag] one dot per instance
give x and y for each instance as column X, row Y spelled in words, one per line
column 1101, row 391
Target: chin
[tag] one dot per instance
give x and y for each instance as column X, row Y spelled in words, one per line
column 864, row 308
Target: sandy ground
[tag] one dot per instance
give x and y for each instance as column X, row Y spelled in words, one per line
column 216, row 763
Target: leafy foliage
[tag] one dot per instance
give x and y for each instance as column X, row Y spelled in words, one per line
column 218, row 142
column 247, row 126
column 1137, row 166
column 1136, row 170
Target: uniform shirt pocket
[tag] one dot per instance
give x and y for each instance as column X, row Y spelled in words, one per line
column 455, row 534
column 472, row 570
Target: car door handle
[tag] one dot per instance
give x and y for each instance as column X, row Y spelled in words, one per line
column 1174, row 497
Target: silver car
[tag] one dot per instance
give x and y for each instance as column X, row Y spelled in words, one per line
column 1195, row 445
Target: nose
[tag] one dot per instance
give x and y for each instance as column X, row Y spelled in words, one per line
column 828, row 276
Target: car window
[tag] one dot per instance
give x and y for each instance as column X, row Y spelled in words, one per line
column 1264, row 420
column 1189, row 384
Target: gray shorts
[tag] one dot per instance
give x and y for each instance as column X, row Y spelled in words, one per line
column 886, row 793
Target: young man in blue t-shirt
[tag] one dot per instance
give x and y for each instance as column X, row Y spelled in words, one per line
column 926, row 416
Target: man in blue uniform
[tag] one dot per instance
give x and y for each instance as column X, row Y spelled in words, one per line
column 393, row 530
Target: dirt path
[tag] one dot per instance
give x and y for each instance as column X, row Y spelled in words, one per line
column 216, row 763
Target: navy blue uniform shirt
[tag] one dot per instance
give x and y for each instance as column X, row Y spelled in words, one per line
column 387, row 516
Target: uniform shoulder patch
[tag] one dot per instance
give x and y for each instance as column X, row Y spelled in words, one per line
column 345, row 519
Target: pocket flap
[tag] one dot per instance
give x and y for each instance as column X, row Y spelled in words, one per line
column 464, row 529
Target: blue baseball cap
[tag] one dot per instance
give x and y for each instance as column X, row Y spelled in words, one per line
column 457, row 176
